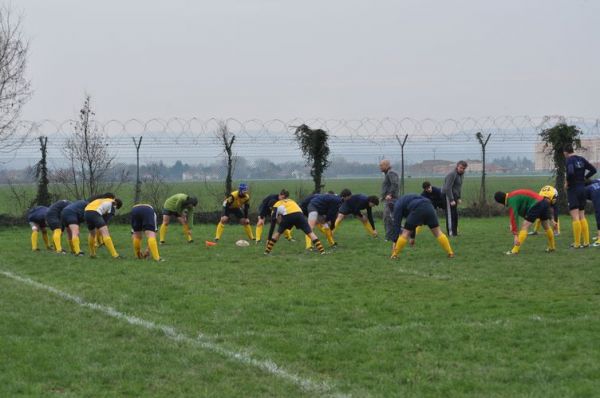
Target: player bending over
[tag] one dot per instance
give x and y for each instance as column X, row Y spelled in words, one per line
column 36, row 217
column 143, row 218
column 180, row 206
column 353, row 204
column 417, row 210
column 288, row 214
column 264, row 211
column 94, row 217
column 531, row 206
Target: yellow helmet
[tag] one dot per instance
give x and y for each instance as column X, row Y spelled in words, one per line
column 549, row 192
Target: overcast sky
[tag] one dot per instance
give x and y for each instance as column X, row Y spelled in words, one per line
column 328, row 58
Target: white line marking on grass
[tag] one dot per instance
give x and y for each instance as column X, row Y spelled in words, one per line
column 201, row 340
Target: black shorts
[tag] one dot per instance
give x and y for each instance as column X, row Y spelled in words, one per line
column 170, row 213
column 53, row 221
column 541, row 210
column 423, row 214
column 264, row 211
column 94, row 220
column 69, row 217
column 228, row 212
column 294, row 220
column 576, row 197
column 143, row 218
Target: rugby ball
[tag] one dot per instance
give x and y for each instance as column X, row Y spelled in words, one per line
column 242, row 243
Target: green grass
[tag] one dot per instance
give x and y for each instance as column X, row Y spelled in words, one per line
column 482, row 324
column 211, row 194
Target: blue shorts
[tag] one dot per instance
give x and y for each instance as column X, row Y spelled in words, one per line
column 170, row 213
column 53, row 220
column 94, row 220
column 576, row 197
column 70, row 217
column 143, row 218
column 541, row 210
column 345, row 209
column 294, row 220
column 37, row 216
column 423, row 214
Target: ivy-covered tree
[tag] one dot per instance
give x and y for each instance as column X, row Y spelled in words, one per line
column 555, row 138
column 314, row 147
column 41, row 174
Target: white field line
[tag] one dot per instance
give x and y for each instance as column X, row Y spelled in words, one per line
column 201, row 340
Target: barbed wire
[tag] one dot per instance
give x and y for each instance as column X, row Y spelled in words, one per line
column 194, row 138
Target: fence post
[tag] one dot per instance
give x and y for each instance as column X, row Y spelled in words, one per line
column 482, row 195
column 138, row 182
column 402, row 142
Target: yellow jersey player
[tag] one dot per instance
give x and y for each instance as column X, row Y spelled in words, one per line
column 288, row 214
column 96, row 215
column 237, row 204
column 180, row 206
column 548, row 190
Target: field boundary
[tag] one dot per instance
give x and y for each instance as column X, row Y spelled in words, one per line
column 202, row 340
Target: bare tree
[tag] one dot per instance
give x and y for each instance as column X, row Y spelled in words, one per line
column 89, row 158
column 226, row 138
column 15, row 89
column 154, row 189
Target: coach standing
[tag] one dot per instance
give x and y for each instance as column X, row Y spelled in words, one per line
column 389, row 194
column 452, row 188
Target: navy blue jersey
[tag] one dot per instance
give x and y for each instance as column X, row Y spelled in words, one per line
column 306, row 201
column 74, row 213
column 355, row 204
column 592, row 192
column 56, row 208
column 37, row 215
column 267, row 204
column 576, row 167
column 436, row 196
column 404, row 206
column 327, row 205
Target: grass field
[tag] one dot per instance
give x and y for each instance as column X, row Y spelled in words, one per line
column 211, row 195
column 229, row 322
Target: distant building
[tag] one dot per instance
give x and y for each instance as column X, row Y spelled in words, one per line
column 590, row 150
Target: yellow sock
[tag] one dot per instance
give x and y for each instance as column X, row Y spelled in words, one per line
column 551, row 241
column 445, row 243
column 92, row 245
column 536, row 225
column 248, row 230
column 368, row 227
column 153, row 246
column 522, row 237
column 321, row 228
column 400, row 243
column 337, row 224
column 288, row 234
column 419, row 229
column 109, row 245
column 220, row 229
column 557, row 228
column 163, row 232
column 34, row 240
column 576, row 233
column 319, row 245
column 45, row 238
column 137, row 247
column 71, row 245
column 187, row 232
column 76, row 248
column 329, row 236
column 99, row 239
column 56, row 235
column 259, row 229
column 308, row 242
column 585, row 231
